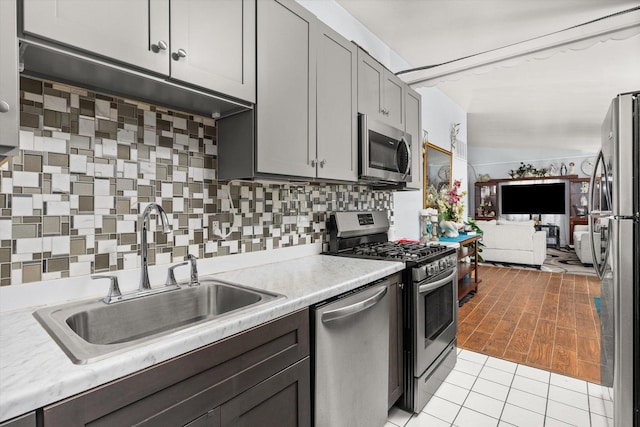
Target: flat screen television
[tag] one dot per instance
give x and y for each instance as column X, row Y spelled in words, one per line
column 548, row 198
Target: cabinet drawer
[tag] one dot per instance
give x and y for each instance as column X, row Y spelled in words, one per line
column 175, row 392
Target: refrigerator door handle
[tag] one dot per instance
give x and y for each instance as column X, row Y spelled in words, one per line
column 599, row 262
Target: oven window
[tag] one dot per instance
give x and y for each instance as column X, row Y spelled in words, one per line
column 438, row 307
column 382, row 152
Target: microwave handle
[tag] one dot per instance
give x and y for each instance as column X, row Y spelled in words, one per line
column 405, row 172
column 408, row 168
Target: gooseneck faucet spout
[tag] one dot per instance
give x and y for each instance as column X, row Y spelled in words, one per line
column 144, row 219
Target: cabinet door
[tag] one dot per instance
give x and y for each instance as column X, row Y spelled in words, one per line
column 337, row 126
column 282, row 400
column 10, row 108
column 413, row 126
column 393, row 99
column 219, row 41
column 122, row 30
column 396, row 382
column 370, row 78
column 210, row 419
column 26, row 420
column 286, row 103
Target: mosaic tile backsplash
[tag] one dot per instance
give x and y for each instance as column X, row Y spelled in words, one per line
column 88, row 164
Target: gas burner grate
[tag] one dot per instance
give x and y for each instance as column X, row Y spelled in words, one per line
column 404, row 251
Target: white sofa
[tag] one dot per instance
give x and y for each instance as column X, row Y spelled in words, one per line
column 582, row 245
column 513, row 242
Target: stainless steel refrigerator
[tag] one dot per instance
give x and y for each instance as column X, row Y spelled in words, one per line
column 614, row 223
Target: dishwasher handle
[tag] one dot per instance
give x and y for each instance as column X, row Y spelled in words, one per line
column 339, row 313
column 431, row 286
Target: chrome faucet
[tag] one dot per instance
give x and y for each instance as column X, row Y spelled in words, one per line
column 144, row 219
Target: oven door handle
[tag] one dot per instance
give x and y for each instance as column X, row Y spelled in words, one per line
column 431, row 286
column 352, row 309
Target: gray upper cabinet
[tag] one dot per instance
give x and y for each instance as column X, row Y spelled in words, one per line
column 212, row 43
column 370, row 77
column 9, row 104
column 285, row 114
column 337, row 125
column 413, row 122
column 306, row 110
column 393, row 97
column 218, row 39
column 380, row 92
column 122, row 30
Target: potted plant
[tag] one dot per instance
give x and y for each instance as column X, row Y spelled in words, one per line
column 473, row 225
column 450, row 207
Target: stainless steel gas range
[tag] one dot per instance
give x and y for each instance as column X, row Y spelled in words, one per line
column 430, row 318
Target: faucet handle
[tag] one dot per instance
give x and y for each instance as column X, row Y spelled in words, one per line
column 171, row 277
column 194, row 270
column 114, row 294
column 192, row 261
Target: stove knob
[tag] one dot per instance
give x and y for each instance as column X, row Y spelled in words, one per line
column 442, row 264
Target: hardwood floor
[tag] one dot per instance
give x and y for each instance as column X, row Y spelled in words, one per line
column 545, row 320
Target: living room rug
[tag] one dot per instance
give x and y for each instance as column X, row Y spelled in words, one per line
column 563, row 260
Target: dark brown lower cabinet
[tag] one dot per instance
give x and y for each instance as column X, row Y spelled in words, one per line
column 395, row 340
column 276, row 402
column 258, row 377
column 26, row 420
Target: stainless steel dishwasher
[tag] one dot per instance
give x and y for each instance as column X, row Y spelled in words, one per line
column 351, row 363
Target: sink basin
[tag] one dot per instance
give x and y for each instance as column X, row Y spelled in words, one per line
column 92, row 330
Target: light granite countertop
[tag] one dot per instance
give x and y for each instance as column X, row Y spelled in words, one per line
column 35, row 372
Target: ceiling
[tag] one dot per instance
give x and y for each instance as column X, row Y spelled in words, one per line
column 553, row 99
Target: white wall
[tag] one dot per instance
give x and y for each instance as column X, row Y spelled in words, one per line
column 439, row 113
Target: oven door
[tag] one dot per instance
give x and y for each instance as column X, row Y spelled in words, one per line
column 436, row 317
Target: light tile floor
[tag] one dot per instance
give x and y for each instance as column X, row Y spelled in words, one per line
column 486, row 391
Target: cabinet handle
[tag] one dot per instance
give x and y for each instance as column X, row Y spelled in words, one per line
column 313, row 163
column 4, row 107
column 161, row 45
column 181, row 53
column 322, row 163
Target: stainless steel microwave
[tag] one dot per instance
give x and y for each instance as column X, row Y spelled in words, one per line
column 385, row 152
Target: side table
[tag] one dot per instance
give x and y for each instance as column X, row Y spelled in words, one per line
column 553, row 234
column 467, row 271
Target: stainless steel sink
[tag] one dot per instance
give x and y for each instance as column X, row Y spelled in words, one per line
column 92, row 330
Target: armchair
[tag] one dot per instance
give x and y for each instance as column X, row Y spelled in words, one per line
column 582, row 245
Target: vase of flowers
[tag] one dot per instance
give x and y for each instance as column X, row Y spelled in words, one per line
column 450, row 207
